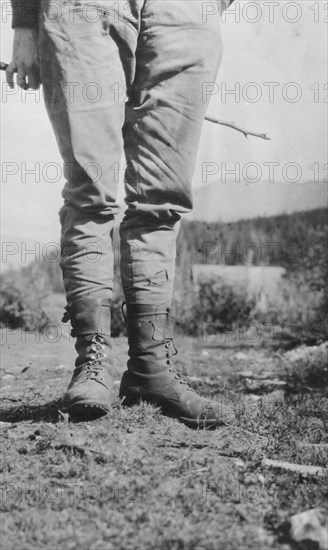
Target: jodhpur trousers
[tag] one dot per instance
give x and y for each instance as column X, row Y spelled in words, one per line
column 126, row 75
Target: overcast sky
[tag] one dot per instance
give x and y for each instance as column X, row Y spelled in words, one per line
column 274, row 59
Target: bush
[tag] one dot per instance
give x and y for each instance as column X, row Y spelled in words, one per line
column 20, row 304
column 220, row 302
column 296, row 310
column 307, row 366
column 217, row 302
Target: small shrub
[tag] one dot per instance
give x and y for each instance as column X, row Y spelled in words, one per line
column 216, row 302
column 20, row 304
column 307, row 366
column 224, row 303
column 296, row 309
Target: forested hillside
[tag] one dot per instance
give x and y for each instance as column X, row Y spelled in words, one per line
column 287, row 240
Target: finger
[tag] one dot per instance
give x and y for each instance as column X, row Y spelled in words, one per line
column 10, row 71
column 33, row 80
column 21, row 79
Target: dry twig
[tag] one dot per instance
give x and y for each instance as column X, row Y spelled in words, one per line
column 299, row 468
column 238, row 128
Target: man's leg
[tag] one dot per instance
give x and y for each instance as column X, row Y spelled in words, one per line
column 87, row 55
column 179, row 50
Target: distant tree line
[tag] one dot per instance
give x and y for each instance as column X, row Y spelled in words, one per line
column 293, row 241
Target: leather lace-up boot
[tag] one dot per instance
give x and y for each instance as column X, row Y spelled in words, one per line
column 89, row 393
column 151, row 377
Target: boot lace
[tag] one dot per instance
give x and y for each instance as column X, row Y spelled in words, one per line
column 94, row 368
column 169, row 346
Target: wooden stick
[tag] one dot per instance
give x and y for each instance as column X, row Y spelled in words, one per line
column 235, row 127
column 299, row 468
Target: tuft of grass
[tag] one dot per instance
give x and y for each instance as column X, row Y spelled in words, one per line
column 307, row 366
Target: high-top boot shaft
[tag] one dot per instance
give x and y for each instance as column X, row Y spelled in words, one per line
column 150, row 337
column 90, row 391
column 89, row 316
column 91, row 322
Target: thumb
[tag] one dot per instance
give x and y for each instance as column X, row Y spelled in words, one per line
column 10, row 71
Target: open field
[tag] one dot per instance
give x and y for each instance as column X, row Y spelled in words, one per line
column 136, row 480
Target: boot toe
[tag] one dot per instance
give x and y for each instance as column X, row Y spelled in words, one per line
column 86, row 411
column 224, row 412
column 87, row 401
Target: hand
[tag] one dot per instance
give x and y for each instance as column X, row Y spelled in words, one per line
column 25, row 59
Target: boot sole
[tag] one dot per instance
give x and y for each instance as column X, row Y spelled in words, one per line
column 86, row 411
column 194, row 423
column 208, row 424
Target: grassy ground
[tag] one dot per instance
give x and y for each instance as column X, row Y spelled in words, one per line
column 136, row 480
